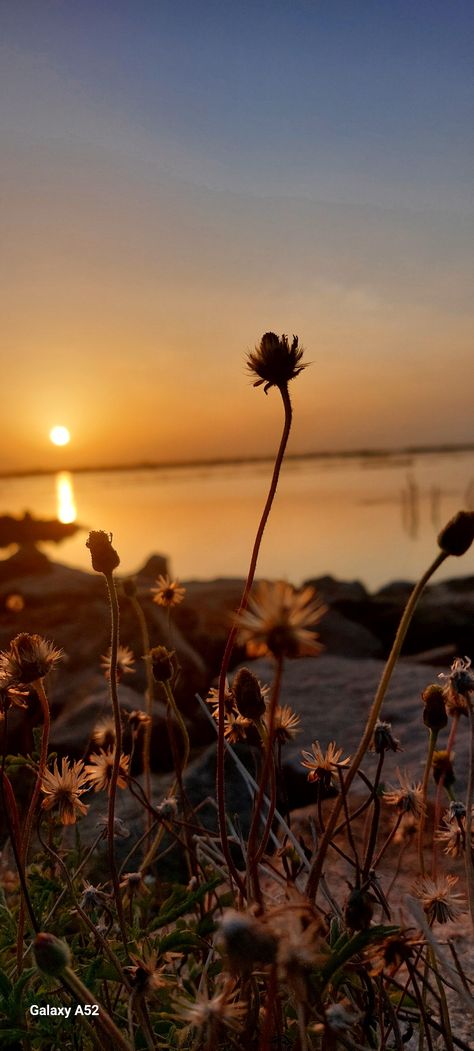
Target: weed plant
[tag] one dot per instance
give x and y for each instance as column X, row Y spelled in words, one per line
column 261, row 947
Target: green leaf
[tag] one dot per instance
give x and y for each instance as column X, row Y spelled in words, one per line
column 5, row 985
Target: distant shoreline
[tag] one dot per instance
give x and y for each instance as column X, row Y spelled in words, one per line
column 233, row 461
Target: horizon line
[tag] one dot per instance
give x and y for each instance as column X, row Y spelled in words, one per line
column 325, row 454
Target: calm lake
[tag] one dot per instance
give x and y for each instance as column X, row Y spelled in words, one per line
column 370, row 518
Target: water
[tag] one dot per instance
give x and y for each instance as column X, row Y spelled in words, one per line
column 366, row 518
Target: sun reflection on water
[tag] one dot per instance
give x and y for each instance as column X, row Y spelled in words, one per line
column 65, row 503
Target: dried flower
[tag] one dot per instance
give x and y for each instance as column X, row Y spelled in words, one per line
column 457, row 536
column 213, row 700
column 275, row 362
column 125, row 662
column 99, row 770
column 64, row 789
column 383, row 739
column 104, row 557
column 104, row 732
column 408, row 797
column 286, row 724
column 323, row 766
column 278, row 619
column 29, row 658
column 92, row 897
column 452, row 837
column 438, row 898
column 459, row 684
column 209, row 1012
column 145, row 975
column 168, row 592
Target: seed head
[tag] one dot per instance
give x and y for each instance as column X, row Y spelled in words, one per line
column 458, row 685
column 438, row 899
column 383, row 739
column 408, row 797
column 29, row 658
column 323, row 766
column 125, row 662
column 104, row 557
column 275, row 362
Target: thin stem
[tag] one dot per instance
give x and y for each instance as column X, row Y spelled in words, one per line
column 318, row 860
column 424, row 796
column 114, row 642
column 469, row 860
column 10, row 811
column 220, row 784
column 40, row 691
column 74, row 985
column 374, row 825
column 254, row 854
column 439, row 791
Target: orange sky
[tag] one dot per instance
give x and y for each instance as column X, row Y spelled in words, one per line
column 136, row 278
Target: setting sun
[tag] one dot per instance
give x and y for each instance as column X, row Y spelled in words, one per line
column 59, row 435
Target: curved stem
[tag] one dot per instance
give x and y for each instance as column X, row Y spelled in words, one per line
column 114, row 612
column 220, row 785
column 318, row 860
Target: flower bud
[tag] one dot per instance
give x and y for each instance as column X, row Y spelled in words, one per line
column 457, row 536
column 51, row 955
column 434, row 711
column 162, row 663
column 248, row 695
column 104, row 557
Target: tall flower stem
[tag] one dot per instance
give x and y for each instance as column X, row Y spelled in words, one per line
column 469, row 859
column 150, row 689
column 319, row 857
column 10, row 811
column 41, row 694
column 73, row 984
column 220, row 783
column 114, row 613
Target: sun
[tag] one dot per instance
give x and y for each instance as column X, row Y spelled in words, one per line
column 59, row 435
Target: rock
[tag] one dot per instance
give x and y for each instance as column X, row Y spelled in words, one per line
column 154, row 567
column 333, row 696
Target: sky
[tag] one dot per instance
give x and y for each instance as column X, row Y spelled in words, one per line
column 179, row 177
